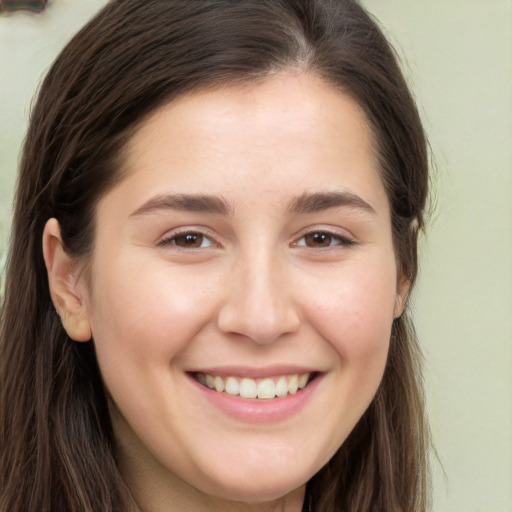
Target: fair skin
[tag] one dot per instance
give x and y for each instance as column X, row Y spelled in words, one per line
column 249, row 244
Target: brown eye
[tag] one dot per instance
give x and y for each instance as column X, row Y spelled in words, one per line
column 324, row 240
column 319, row 239
column 188, row 241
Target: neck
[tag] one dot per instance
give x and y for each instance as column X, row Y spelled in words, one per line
column 175, row 495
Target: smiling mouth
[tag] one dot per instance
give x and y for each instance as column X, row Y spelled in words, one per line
column 256, row 389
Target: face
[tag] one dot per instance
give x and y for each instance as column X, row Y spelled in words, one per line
column 243, row 288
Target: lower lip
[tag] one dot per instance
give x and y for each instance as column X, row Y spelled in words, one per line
column 260, row 411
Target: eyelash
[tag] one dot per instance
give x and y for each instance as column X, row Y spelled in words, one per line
column 171, row 240
column 340, row 240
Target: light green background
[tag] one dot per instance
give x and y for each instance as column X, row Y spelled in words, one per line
column 458, row 58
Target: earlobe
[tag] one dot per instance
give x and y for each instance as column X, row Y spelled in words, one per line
column 66, row 284
column 402, row 294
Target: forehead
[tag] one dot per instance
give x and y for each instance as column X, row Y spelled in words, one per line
column 290, row 130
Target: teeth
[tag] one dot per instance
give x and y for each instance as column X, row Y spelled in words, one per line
column 248, row 388
column 232, row 386
column 281, row 387
column 219, row 384
column 293, row 385
column 263, row 389
column 210, row 381
column 266, row 389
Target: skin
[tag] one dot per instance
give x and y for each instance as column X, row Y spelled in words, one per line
column 254, row 291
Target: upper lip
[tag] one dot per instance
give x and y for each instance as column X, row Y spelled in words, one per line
column 254, row 372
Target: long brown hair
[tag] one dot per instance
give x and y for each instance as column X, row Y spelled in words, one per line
column 57, row 450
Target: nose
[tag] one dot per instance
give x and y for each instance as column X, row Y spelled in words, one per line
column 259, row 300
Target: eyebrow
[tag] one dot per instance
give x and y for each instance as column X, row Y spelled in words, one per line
column 185, row 202
column 309, row 202
column 318, row 201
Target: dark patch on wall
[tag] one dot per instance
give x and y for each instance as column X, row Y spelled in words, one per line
column 35, row 6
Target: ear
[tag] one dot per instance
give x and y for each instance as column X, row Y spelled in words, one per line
column 403, row 287
column 67, row 286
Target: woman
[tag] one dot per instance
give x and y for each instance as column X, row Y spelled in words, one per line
column 213, row 244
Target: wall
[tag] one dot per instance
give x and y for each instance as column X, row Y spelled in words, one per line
column 458, row 57
column 28, row 45
column 459, row 61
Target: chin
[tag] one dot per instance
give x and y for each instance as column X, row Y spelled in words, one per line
column 256, row 494
column 266, row 486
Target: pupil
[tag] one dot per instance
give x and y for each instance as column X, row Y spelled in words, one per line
column 319, row 239
column 190, row 240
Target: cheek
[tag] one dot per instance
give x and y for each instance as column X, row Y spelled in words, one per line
column 148, row 315
column 355, row 313
column 140, row 327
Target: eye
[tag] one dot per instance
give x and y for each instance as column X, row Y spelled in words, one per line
column 188, row 240
column 323, row 239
